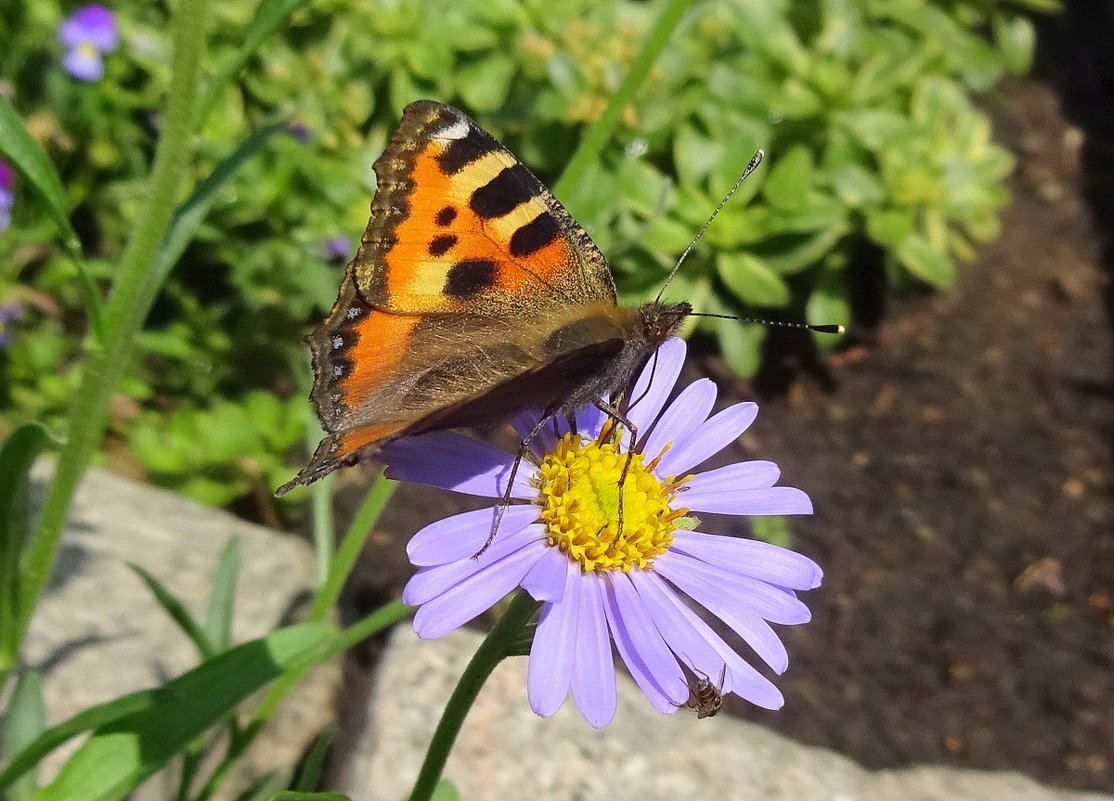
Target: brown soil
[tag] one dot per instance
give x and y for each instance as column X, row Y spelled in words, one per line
column 960, row 460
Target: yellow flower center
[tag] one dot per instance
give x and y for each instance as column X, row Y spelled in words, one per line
column 579, row 495
column 87, row 50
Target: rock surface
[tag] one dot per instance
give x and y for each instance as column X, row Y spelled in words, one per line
column 505, row 751
column 98, row 632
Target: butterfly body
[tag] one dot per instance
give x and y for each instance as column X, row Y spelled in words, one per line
column 474, row 296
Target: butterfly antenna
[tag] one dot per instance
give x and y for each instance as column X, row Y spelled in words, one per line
column 820, row 329
column 751, row 167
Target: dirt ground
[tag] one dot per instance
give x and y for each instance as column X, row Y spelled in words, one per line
column 960, row 456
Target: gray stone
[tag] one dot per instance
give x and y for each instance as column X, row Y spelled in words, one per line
column 506, row 752
column 98, row 633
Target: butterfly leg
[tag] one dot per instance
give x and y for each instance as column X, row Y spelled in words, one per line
column 620, row 418
column 523, row 449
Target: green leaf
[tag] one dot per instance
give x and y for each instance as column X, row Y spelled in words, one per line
column 790, row 179
column 827, row 305
column 773, row 529
column 17, row 455
column 25, row 719
column 1016, row 38
column 313, row 764
column 740, row 344
column 786, row 254
column 263, row 788
column 218, row 615
column 445, row 791
column 925, row 262
column 484, row 84
column 190, row 215
column 750, row 280
column 857, row 186
column 27, row 157
column 289, row 795
column 695, row 154
column 889, row 228
column 126, row 750
column 177, row 612
column 269, row 16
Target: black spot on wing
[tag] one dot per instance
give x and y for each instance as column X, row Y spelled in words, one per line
column 535, row 235
column 459, row 153
column 512, row 186
column 470, row 277
column 445, row 216
column 441, row 244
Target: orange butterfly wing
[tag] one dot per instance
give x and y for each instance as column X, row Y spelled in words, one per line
column 470, row 274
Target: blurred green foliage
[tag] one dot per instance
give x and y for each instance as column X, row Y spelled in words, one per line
column 864, row 107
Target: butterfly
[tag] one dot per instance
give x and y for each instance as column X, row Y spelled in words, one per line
column 474, row 296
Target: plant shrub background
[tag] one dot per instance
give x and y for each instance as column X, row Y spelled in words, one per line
column 863, row 106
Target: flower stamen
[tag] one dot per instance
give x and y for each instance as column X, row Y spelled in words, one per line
column 579, row 495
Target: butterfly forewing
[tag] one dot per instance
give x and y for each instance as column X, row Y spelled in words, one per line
column 470, row 275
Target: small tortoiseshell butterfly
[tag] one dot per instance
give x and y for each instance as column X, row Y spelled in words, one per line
column 474, row 296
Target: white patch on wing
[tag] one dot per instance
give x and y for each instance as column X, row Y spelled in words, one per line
column 458, row 130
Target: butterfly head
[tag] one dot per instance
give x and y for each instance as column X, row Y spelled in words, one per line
column 660, row 321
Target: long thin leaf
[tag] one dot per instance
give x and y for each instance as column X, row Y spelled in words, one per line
column 596, row 136
column 17, row 454
column 189, row 216
column 313, row 763
column 125, row 310
column 269, row 16
column 27, row 157
column 263, row 788
column 121, row 754
column 25, row 719
column 177, row 612
column 296, row 796
column 218, row 616
column 17, row 146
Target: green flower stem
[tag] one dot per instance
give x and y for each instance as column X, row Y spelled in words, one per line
column 497, row 645
column 123, row 314
column 595, row 138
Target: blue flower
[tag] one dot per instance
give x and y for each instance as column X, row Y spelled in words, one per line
column 9, row 313
column 7, row 194
column 338, row 247
column 600, row 588
column 87, row 35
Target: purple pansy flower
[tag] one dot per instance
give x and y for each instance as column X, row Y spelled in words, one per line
column 562, row 545
column 338, row 247
column 9, row 313
column 7, row 194
column 87, row 35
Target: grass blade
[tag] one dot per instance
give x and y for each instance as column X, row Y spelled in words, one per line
column 269, row 16
column 218, row 617
column 312, row 768
column 190, row 215
column 177, row 612
column 27, row 157
column 121, row 754
column 25, row 720
column 596, row 136
column 17, row 454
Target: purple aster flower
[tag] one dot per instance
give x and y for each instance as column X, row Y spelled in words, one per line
column 338, row 247
column 562, row 545
column 9, row 313
column 88, row 34
column 7, row 194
